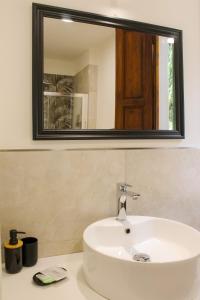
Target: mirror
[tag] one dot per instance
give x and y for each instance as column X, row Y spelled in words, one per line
column 97, row 77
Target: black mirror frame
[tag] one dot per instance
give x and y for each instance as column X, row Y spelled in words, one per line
column 40, row 11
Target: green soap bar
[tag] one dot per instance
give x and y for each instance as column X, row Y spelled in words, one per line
column 45, row 278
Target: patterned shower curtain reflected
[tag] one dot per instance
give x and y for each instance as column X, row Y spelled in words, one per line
column 57, row 101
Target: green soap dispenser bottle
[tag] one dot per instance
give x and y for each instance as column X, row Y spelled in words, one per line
column 13, row 253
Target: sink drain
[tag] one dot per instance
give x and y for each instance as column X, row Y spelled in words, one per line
column 142, row 257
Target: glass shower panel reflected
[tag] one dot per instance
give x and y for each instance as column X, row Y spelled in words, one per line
column 64, row 112
column 80, row 111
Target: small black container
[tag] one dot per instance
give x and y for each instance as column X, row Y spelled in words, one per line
column 13, row 260
column 29, row 251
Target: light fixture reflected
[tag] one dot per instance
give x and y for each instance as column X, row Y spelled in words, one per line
column 170, row 40
column 67, row 20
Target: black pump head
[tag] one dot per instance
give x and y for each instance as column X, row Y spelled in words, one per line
column 13, row 236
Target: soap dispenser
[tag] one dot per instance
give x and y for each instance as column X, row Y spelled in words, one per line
column 13, row 252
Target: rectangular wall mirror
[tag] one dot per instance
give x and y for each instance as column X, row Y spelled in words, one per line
column 96, row 77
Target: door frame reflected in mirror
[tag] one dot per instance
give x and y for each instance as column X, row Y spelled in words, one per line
column 41, row 11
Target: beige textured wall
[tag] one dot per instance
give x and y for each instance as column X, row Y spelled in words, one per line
column 54, row 195
column 168, row 181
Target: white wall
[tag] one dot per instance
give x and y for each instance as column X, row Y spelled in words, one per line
column 58, row 66
column 16, row 69
column 163, row 84
column 0, row 272
column 68, row 67
column 106, row 84
column 82, row 61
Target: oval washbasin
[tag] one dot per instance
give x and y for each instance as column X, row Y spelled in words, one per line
column 111, row 248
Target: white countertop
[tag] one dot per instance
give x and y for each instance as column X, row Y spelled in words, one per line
column 21, row 287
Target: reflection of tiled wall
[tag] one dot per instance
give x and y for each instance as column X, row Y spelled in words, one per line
column 54, row 195
column 81, row 81
column 58, row 110
column 86, row 82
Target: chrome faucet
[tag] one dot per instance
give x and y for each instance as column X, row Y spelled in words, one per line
column 122, row 195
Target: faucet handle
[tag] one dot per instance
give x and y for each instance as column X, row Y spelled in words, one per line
column 123, row 187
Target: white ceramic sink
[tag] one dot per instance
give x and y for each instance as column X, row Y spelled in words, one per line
column 171, row 273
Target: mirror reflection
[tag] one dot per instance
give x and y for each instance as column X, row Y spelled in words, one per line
column 98, row 77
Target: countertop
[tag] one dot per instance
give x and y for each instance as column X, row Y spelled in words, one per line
column 21, row 287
